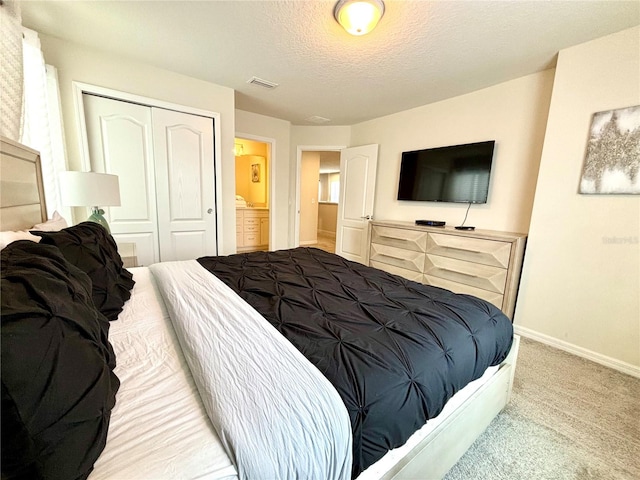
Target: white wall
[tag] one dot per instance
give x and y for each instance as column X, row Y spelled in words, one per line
column 82, row 64
column 580, row 286
column 513, row 114
column 248, row 123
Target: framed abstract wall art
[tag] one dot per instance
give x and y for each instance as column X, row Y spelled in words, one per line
column 612, row 159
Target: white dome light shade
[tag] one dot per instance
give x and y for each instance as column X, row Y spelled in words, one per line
column 359, row 17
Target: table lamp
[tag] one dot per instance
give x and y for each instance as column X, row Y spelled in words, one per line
column 90, row 189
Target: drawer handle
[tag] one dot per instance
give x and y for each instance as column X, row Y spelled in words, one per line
column 393, row 238
column 459, row 273
column 463, row 249
column 384, row 255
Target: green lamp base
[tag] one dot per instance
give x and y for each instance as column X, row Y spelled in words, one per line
column 96, row 217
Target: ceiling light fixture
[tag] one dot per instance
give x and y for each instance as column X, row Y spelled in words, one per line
column 358, row 17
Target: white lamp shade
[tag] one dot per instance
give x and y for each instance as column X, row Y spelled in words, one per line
column 89, row 189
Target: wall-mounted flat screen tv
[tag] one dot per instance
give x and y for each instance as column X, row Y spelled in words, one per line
column 458, row 173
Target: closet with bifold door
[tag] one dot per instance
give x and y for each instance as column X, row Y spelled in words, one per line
column 164, row 160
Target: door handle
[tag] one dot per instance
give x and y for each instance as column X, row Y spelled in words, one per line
column 367, row 217
column 210, row 211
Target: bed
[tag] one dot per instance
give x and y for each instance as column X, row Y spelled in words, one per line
column 195, row 381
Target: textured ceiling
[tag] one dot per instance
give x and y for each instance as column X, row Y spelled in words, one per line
column 421, row 52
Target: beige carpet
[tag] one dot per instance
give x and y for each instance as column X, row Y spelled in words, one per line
column 569, row 418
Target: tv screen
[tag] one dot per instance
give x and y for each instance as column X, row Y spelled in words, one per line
column 458, row 173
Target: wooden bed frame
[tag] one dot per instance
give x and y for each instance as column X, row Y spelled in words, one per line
column 22, row 206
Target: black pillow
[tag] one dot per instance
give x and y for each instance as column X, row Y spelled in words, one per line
column 91, row 248
column 58, row 385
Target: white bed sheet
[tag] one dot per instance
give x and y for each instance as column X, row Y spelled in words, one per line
column 159, row 428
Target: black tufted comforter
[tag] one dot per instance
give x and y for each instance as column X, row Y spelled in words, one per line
column 395, row 350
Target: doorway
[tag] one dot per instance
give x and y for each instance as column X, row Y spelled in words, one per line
column 253, row 212
column 358, row 166
column 319, row 187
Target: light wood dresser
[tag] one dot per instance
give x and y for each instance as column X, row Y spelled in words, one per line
column 483, row 263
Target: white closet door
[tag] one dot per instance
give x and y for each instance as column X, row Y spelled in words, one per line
column 119, row 136
column 183, row 148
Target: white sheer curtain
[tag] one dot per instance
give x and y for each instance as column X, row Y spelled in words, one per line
column 42, row 121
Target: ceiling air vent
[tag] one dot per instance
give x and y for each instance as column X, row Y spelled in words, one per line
column 262, row 83
column 318, row 119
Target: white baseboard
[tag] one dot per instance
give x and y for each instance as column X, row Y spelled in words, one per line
column 623, row 367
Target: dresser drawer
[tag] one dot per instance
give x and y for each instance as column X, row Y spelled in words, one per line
column 252, row 228
column 478, row 250
column 403, row 272
column 398, row 257
column 491, row 297
column 256, row 213
column 249, row 221
column 397, row 237
column 476, row 275
column 252, row 239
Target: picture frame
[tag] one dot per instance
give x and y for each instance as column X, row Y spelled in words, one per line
column 612, row 158
column 255, row 172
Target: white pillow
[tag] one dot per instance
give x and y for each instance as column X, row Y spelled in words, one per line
column 7, row 237
column 56, row 223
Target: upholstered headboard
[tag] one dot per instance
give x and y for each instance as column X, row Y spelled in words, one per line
column 22, row 203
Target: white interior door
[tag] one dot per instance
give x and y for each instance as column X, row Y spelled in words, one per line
column 119, row 138
column 183, row 147
column 358, row 167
